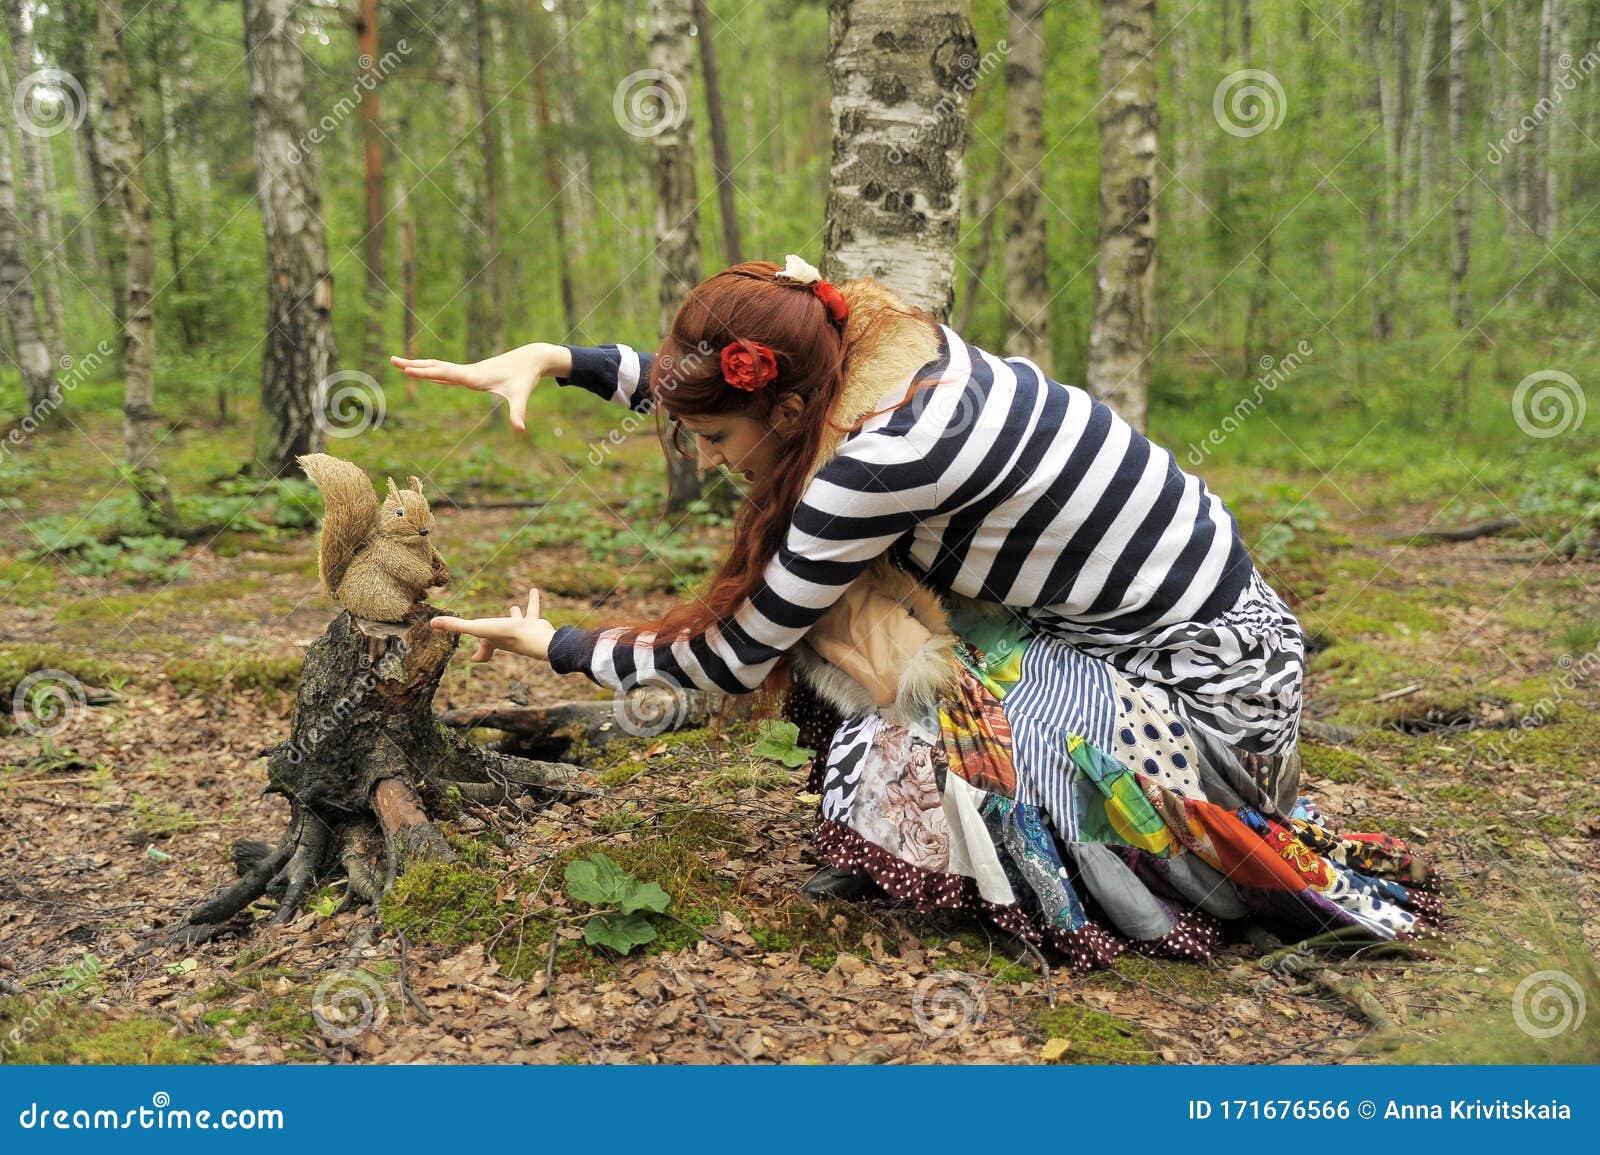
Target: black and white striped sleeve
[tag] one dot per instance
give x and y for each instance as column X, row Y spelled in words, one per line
column 616, row 373
column 872, row 493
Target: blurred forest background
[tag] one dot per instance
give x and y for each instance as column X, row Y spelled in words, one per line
column 1380, row 213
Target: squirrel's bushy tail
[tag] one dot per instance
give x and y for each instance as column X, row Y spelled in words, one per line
column 351, row 506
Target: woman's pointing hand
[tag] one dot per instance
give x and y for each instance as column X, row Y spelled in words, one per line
column 512, row 375
column 519, row 632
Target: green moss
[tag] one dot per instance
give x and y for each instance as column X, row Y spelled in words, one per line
column 446, row 903
column 209, row 675
column 1377, row 610
column 23, row 579
column 152, row 607
column 18, row 661
column 1096, row 1037
column 1340, row 764
column 68, row 1033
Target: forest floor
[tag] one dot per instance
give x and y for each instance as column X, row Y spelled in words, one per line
column 1438, row 659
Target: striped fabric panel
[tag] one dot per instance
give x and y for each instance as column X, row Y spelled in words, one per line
column 1061, row 692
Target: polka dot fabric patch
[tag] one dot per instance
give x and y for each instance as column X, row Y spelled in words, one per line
column 1153, row 741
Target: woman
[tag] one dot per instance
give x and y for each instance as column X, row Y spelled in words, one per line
column 1040, row 660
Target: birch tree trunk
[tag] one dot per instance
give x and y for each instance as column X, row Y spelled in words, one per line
column 16, row 287
column 582, row 209
column 82, row 30
column 489, row 147
column 408, row 265
column 1026, row 249
column 558, row 188
column 30, row 148
column 1522, row 170
column 721, row 158
column 902, row 76
column 453, row 28
column 670, row 121
column 171, row 209
column 1414, row 162
column 1460, row 235
column 372, row 240
column 1372, row 56
column 299, row 352
column 125, row 152
column 1539, row 145
column 1118, row 367
column 1560, row 49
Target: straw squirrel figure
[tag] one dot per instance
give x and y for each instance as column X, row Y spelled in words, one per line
column 376, row 561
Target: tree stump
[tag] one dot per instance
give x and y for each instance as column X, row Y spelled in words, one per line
column 365, row 764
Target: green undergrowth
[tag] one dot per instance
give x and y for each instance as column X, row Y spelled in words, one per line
column 1524, row 991
column 74, row 1035
column 1094, row 1036
column 209, row 675
column 453, row 904
column 18, row 661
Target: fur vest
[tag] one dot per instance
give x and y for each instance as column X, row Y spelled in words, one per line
column 886, row 643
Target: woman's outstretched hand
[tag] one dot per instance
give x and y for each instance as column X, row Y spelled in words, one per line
column 511, row 375
column 521, row 632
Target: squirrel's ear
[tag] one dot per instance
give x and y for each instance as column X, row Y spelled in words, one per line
column 393, row 491
column 416, row 482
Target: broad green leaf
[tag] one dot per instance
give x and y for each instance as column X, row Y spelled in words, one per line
column 778, row 741
column 620, row 932
column 599, row 881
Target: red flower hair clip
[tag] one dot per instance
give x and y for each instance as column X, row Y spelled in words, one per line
column 748, row 365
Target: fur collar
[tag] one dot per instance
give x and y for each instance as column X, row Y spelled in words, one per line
column 879, row 361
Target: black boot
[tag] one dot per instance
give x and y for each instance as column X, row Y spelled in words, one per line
column 831, row 882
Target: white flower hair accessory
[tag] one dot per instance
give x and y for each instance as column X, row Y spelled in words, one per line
column 797, row 268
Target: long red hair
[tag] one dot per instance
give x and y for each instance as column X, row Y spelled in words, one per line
column 745, row 302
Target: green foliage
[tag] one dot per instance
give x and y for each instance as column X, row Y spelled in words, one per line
column 622, row 899
column 779, row 740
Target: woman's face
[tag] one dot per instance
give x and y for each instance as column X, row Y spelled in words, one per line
column 742, row 444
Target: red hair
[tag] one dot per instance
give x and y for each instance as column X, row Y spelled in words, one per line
column 745, row 302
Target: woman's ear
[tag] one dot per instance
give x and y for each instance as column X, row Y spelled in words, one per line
column 787, row 412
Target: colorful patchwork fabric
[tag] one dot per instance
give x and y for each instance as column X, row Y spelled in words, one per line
column 977, row 738
column 1057, row 795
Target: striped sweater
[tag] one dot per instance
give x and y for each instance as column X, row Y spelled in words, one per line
column 998, row 484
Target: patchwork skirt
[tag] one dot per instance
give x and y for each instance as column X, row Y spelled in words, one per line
column 1098, row 803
